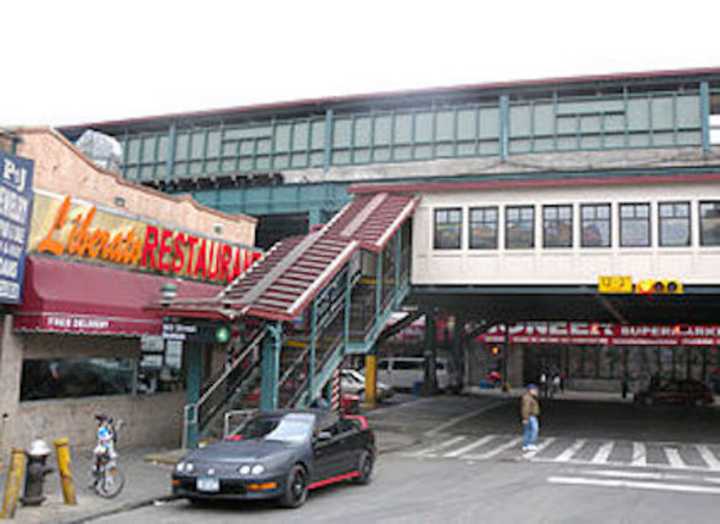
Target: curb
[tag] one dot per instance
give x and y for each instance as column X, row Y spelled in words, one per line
column 130, row 506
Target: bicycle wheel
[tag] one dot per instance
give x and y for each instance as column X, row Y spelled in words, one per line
column 111, row 482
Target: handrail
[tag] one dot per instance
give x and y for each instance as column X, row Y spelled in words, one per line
column 251, row 346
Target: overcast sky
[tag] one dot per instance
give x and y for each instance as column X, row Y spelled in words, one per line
column 66, row 62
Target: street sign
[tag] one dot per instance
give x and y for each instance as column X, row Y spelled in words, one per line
column 16, row 199
column 615, row 284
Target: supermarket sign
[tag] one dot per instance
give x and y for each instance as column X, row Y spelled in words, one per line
column 603, row 333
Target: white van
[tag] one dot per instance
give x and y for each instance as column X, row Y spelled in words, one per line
column 404, row 372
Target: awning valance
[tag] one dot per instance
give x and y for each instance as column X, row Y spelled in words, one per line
column 69, row 297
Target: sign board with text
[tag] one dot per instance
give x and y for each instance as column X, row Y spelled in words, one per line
column 16, row 202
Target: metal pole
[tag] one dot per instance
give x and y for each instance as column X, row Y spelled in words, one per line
column 313, row 348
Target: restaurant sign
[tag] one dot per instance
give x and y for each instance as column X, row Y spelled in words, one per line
column 16, row 198
column 62, row 227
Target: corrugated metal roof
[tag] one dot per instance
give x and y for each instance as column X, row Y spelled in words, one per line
column 295, row 270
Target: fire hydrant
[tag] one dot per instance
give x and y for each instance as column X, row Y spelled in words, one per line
column 35, row 473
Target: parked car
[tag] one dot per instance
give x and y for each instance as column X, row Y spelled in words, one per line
column 686, row 392
column 404, row 372
column 353, row 382
column 279, row 455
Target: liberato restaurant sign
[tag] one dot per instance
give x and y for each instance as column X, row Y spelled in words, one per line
column 61, row 227
column 16, row 198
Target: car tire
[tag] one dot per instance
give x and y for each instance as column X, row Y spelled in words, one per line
column 296, row 488
column 366, row 464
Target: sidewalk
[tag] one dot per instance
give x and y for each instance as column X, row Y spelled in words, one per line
column 144, row 483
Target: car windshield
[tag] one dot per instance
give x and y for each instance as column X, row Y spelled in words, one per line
column 290, row 428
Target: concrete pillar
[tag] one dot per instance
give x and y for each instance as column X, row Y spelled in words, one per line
column 430, row 354
column 514, row 354
column 11, row 358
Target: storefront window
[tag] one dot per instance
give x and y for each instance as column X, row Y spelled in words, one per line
column 519, row 227
column 710, row 223
column 71, row 378
column 160, row 367
column 635, row 225
column 448, row 228
column 484, row 228
column 674, row 224
column 595, row 225
column 557, row 226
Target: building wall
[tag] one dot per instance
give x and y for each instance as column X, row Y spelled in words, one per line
column 61, row 168
column 557, row 266
column 73, row 418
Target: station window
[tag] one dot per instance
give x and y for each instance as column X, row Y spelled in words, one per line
column 635, row 225
column 674, row 224
column 557, row 226
column 710, row 223
column 448, row 228
column 484, row 228
column 595, row 225
column 519, row 227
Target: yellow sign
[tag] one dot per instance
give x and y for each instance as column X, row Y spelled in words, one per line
column 615, row 284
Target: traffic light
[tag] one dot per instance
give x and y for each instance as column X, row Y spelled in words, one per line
column 222, row 334
column 495, row 351
column 659, row 287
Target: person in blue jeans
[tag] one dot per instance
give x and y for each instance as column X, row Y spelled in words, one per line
column 529, row 412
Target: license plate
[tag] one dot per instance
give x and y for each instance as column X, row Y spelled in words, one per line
column 208, row 485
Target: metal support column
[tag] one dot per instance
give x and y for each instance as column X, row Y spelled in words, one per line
column 458, row 357
column 705, row 115
column 504, row 127
column 398, row 261
column 170, row 159
column 430, row 354
column 378, row 284
column 271, row 367
column 313, row 348
column 193, row 358
column 370, row 380
column 327, row 153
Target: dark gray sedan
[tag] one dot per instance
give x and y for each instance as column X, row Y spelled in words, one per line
column 279, row 455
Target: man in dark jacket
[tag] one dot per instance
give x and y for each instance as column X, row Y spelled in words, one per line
column 529, row 412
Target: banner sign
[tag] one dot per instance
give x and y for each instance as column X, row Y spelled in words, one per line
column 575, row 333
column 16, row 199
column 63, row 228
column 606, row 334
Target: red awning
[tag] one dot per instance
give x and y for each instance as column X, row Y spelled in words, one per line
column 70, row 297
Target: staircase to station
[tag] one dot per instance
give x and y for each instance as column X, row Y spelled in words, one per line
column 301, row 309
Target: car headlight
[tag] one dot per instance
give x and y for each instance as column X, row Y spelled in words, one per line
column 189, row 468
column 244, row 470
column 180, row 467
column 258, row 469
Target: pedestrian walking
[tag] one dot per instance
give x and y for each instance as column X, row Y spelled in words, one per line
column 529, row 412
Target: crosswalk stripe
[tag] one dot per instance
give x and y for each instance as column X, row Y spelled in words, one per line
column 511, row 444
column 569, row 452
column 601, row 455
column 709, row 457
column 673, row 456
column 608, row 483
column 544, row 444
column 639, row 454
column 469, row 447
column 428, row 452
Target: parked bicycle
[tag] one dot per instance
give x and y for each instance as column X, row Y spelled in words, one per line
column 107, row 478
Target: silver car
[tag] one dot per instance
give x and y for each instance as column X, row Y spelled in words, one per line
column 353, row 382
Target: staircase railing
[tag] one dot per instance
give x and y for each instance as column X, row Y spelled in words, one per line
column 232, row 382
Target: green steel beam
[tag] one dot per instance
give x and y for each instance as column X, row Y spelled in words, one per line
column 398, row 257
column 271, row 348
column 504, row 127
column 378, row 282
column 705, row 115
column 193, row 380
column 313, row 346
column 327, row 150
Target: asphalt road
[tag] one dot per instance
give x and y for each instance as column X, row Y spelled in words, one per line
column 468, row 469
